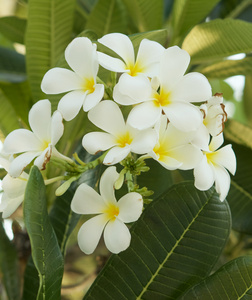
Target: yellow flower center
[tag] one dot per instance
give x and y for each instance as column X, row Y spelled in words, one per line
column 161, row 150
column 45, row 145
column 124, row 140
column 210, row 156
column 135, row 68
column 112, row 211
column 88, row 85
column 162, row 99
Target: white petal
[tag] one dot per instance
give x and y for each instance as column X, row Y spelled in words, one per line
column 115, row 155
column 111, row 63
column 144, row 115
column 43, row 158
column 40, row 119
column 90, row 233
column 108, row 116
column 184, row 116
column 5, row 163
column 70, row 104
column 201, row 138
column 149, row 54
column 116, row 236
column 120, row 44
column 94, row 98
column 174, row 63
column 94, row 142
column 60, row 80
column 225, row 157
column 144, row 141
column 222, row 182
column 204, row 175
column 20, row 162
column 81, row 56
column 87, row 201
column 21, row 140
column 193, row 87
column 166, row 161
column 13, row 187
column 132, row 90
column 8, row 206
column 189, row 155
column 130, row 207
column 108, row 179
column 57, row 127
column 216, row 142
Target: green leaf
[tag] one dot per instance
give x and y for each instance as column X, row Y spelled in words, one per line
column 107, row 16
column 159, row 36
column 175, row 243
column 19, row 95
column 238, row 133
column 217, row 39
column 145, row 14
column 8, row 117
column 231, row 282
column 247, row 98
column 240, row 194
column 49, row 29
column 13, row 28
column 12, row 66
column 46, row 253
column 188, row 13
column 9, row 266
column 228, row 68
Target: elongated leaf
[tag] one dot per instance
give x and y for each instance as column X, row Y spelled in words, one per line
column 238, row 133
column 9, row 266
column 228, row 68
column 13, row 28
column 188, row 13
column 12, row 66
column 247, row 97
column 19, row 95
column 240, row 194
column 231, row 282
column 45, row 249
column 48, row 32
column 217, row 39
column 107, row 16
column 145, row 14
column 174, row 244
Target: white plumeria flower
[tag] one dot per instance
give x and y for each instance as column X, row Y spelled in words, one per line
column 119, row 136
column 214, row 114
column 173, row 149
column 13, row 190
column 38, row 143
column 212, row 167
column 81, row 84
column 135, row 71
column 170, row 93
column 111, row 214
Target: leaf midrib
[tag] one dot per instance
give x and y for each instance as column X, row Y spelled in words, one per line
column 172, row 250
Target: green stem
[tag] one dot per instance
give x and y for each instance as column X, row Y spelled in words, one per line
column 239, row 9
column 130, row 181
column 55, row 179
column 92, row 164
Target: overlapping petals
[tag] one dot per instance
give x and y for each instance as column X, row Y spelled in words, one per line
column 212, row 167
column 111, row 215
column 173, row 149
column 80, row 83
column 37, row 144
column 120, row 137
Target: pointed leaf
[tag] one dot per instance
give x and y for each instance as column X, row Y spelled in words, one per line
column 49, row 29
column 45, row 249
column 231, row 282
column 175, row 243
column 9, row 267
column 107, row 16
column 217, row 39
column 13, row 28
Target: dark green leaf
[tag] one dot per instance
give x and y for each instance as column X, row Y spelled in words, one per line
column 107, row 16
column 9, row 266
column 46, row 253
column 175, row 243
column 13, row 28
column 217, row 39
column 49, row 29
column 238, row 133
column 12, row 66
column 231, row 282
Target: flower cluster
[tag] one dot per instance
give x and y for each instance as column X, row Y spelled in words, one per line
column 173, row 119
